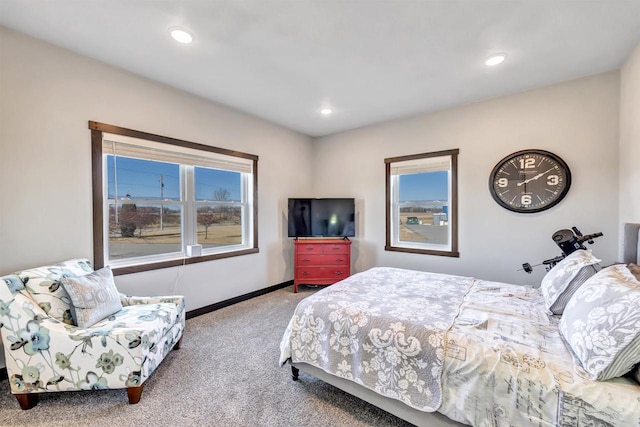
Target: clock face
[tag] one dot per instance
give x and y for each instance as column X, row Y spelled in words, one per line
column 530, row 181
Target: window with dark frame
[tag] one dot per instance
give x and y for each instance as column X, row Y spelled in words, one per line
column 161, row 202
column 422, row 203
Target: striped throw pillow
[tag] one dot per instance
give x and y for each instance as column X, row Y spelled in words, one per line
column 561, row 282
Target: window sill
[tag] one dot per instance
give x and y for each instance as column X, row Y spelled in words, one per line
column 180, row 261
column 454, row 254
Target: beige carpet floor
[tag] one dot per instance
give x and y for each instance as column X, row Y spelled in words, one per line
column 225, row 374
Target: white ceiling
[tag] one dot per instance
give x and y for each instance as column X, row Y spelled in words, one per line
column 371, row 61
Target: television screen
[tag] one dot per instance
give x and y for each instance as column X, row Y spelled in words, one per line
column 321, row 218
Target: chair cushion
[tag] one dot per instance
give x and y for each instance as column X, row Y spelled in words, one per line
column 13, row 282
column 147, row 323
column 44, row 287
column 94, row 296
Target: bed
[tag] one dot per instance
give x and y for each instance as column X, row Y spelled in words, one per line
column 443, row 350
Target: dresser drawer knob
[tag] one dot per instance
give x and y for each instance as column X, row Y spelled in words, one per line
column 305, row 273
column 339, row 273
column 306, row 260
column 339, row 259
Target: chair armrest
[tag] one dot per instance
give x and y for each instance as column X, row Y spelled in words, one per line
column 134, row 300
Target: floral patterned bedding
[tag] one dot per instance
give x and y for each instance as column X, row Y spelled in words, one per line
column 482, row 353
column 383, row 329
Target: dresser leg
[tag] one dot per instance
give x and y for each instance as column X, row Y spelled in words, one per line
column 294, row 373
column 295, row 288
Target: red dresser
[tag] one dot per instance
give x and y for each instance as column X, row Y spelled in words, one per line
column 321, row 261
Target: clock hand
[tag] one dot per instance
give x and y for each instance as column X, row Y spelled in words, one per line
column 526, row 181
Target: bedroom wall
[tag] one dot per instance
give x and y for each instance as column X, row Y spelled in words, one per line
column 578, row 120
column 630, row 138
column 48, row 96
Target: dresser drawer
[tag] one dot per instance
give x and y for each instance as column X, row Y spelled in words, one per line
column 321, row 273
column 308, row 248
column 335, row 249
column 319, row 260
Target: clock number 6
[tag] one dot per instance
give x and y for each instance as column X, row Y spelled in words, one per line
column 525, row 199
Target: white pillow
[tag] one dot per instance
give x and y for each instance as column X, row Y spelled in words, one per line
column 601, row 323
column 566, row 277
column 93, row 297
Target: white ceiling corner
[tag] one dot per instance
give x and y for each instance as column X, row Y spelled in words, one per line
column 371, row 61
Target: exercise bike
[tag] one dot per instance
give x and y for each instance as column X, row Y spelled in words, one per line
column 569, row 241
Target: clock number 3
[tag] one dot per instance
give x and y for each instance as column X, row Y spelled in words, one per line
column 553, row 180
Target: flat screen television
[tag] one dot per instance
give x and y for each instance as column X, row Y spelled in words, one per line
column 321, row 217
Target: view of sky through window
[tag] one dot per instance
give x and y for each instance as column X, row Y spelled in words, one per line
column 152, row 180
column 424, row 186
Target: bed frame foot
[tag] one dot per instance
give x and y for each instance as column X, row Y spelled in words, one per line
column 294, row 373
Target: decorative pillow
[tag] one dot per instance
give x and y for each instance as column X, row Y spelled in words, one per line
column 601, row 323
column 94, row 297
column 43, row 286
column 566, row 277
column 635, row 270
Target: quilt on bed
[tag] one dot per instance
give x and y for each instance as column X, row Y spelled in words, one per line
column 482, row 353
column 383, row 329
column 506, row 364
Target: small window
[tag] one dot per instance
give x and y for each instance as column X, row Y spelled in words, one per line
column 156, row 199
column 421, row 211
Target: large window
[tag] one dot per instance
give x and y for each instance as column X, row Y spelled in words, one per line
column 422, row 211
column 161, row 202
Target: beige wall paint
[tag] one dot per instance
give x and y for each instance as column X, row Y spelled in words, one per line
column 577, row 120
column 48, row 96
column 630, row 139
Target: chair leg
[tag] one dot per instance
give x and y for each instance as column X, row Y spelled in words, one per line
column 27, row 401
column 134, row 394
column 176, row 346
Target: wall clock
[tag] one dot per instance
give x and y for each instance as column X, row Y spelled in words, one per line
column 529, row 181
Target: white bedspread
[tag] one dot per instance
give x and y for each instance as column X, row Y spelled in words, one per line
column 507, row 365
column 482, row 353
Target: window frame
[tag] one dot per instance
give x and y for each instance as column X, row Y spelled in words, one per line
column 98, row 200
column 392, row 195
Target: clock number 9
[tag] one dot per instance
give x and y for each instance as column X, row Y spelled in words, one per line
column 503, row 182
column 527, row 163
column 525, row 199
column 553, row 180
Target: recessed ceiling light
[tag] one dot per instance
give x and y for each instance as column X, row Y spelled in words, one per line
column 496, row 59
column 326, row 111
column 181, row 35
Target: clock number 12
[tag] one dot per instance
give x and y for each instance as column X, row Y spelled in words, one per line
column 527, row 163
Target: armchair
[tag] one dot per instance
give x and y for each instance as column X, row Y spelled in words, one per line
column 46, row 352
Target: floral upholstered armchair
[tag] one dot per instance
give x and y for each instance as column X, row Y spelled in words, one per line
column 65, row 327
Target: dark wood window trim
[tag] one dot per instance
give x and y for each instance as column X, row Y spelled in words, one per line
column 454, row 203
column 97, row 130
